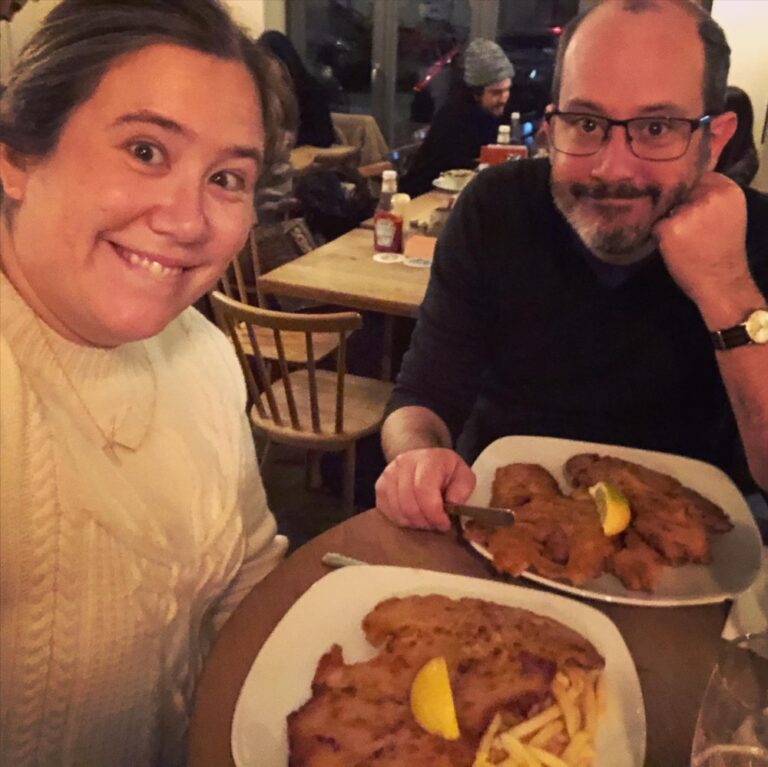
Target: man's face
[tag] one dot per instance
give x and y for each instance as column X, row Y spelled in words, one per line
column 495, row 97
column 623, row 65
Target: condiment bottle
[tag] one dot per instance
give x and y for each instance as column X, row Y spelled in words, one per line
column 515, row 129
column 387, row 225
column 503, row 136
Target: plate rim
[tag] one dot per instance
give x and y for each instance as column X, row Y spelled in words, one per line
column 641, row 600
column 605, row 631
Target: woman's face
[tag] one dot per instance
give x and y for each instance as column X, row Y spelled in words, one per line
column 143, row 202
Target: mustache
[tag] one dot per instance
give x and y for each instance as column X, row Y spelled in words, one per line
column 621, row 191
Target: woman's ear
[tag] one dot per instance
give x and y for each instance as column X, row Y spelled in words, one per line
column 13, row 173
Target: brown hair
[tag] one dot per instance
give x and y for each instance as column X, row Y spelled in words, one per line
column 717, row 53
column 63, row 63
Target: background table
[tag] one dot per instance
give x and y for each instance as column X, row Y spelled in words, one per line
column 343, row 272
column 674, row 649
column 420, row 208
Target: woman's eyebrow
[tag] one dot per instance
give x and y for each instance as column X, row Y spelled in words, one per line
column 166, row 123
column 148, row 116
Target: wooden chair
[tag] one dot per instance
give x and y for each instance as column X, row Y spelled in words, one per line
column 242, row 285
column 320, row 410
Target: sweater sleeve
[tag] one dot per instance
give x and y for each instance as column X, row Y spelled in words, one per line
column 450, row 345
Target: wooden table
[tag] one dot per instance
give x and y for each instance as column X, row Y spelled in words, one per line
column 674, row 649
column 420, row 208
column 343, row 272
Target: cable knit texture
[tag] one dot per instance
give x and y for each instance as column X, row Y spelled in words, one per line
column 117, row 570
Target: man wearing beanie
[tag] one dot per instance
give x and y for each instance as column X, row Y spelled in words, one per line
column 469, row 120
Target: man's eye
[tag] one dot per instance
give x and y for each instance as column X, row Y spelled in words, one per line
column 228, row 180
column 147, row 153
column 587, row 125
column 656, row 129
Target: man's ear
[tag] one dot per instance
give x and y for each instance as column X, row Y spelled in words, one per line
column 13, row 173
column 721, row 130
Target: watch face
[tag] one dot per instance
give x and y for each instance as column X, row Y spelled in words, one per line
column 757, row 326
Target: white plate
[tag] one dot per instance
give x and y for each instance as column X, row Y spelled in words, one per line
column 332, row 611
column 449, row 184
column 735, row 554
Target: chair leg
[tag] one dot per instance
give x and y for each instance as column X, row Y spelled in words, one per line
column 313, row 478
column 348, row 481
column 265, row 456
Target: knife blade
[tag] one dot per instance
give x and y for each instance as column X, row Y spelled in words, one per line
column 485, row 515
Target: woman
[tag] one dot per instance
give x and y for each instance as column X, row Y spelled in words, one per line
column 315, row 126
column 132, row 136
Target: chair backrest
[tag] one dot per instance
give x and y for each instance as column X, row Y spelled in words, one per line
column 240, row 282
column 268, row 247
column 234, row 315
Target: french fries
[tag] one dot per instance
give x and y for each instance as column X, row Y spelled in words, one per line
column 562, row 735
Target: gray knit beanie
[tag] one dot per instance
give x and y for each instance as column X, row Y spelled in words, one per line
column 485, row 62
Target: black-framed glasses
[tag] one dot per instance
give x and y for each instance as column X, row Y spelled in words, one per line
column 649, row 138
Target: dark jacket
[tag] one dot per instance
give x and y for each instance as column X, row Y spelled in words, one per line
column 455, row 136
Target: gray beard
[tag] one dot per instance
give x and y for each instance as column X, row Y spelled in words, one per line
column 613, row 244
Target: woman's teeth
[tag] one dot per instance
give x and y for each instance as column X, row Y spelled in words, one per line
column 152, row 266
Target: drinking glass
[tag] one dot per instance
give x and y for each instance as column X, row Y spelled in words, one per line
column 732, row 727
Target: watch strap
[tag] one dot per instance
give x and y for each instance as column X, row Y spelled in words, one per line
column 730, row 337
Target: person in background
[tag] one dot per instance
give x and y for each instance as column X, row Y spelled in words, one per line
column 315, row 126
column 133, row 518
column 469, row 120
column 602, row 294
column 739, row 159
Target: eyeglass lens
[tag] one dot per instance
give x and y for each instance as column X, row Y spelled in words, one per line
column 651, row 138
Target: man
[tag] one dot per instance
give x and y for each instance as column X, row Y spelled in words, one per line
column 469, row 120
column 581, row 303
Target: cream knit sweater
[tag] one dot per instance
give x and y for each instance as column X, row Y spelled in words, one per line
column 115, row 571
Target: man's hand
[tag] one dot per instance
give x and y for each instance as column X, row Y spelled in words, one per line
column 703, row 241
column 411, row 490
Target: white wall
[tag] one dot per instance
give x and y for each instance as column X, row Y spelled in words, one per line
column 258, row 15
column 746, row 26
column 254, row 15
column 13, row 34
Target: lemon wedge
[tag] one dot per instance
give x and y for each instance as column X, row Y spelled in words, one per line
column 432, row 700
column 612, row 506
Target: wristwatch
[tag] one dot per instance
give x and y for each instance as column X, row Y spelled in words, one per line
column 754, row 330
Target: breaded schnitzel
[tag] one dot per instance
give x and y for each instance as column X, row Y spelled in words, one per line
column 560, row 537
column 499, row 659
column 554, row 535
column 672, row 519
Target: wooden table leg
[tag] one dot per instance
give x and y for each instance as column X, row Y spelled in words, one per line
column 387, row 351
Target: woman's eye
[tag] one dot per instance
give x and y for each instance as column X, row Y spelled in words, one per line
column 231, row 182
column 146, row 153
column 588, row 125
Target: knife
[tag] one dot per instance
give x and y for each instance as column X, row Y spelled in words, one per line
column 485, row 515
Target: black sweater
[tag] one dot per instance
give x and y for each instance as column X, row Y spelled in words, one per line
column 521, row 332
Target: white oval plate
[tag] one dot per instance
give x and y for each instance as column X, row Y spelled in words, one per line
column 736, row 554
column 332, row 610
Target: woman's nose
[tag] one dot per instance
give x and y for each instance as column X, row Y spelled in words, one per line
column 181, row 212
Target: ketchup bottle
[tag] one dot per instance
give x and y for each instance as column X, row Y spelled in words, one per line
column 387, row 225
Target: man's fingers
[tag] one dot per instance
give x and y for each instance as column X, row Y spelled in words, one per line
column 461, row 483
column 407, row 500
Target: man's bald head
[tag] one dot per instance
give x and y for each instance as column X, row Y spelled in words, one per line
column 717, row 54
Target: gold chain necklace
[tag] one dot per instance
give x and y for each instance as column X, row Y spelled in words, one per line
column 110, row 440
